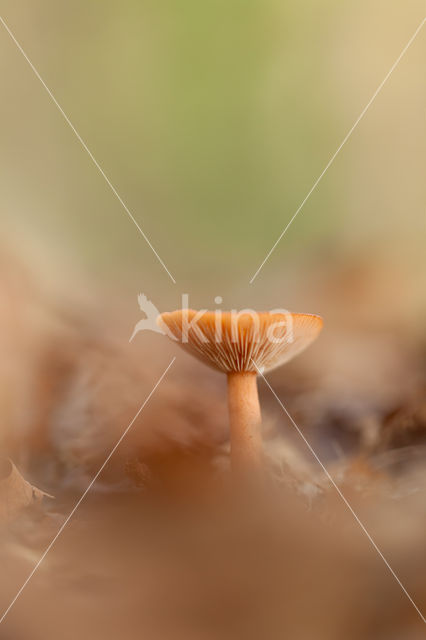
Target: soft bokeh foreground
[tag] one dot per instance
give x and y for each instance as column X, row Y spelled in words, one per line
column 213, row 120
column 164, row 545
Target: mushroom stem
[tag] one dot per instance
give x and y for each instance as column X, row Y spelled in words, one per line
column 245, row 421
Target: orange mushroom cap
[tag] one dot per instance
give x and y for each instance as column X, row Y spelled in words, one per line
column 234, row 341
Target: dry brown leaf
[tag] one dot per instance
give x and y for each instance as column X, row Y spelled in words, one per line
column 15, row 492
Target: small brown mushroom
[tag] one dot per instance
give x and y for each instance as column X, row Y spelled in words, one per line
column 240, row 345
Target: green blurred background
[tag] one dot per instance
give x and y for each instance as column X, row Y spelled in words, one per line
column 213, row 120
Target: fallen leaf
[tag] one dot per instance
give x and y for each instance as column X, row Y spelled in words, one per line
column 15, row 492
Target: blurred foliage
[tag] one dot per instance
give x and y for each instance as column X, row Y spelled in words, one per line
column 212, row 120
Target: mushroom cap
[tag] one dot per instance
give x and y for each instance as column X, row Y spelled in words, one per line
column 232, row 341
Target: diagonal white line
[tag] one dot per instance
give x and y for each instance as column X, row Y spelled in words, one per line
column 345, row 139
column 341, row 495
column 85, row 492
column 86, row 148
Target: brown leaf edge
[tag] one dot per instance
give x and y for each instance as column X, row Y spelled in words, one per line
column 16, row 493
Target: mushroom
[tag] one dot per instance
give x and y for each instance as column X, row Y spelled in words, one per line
column 242, row 344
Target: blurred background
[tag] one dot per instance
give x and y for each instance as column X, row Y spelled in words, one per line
column 213, row 120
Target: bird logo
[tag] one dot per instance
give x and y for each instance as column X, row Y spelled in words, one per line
column 150, row 322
